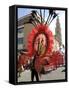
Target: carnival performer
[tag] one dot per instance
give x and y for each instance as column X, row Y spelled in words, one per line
column 34, row 73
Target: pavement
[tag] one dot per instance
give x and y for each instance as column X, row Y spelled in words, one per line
column 53, row 75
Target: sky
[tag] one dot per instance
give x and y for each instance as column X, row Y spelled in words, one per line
column 24, row 11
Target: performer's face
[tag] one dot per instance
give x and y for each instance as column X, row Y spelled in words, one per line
column 40, row 40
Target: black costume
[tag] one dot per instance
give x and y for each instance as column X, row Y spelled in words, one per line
column 33, row 70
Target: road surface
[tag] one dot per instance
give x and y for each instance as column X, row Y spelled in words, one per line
column 53, row 75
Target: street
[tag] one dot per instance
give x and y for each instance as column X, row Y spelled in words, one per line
column 53, row 75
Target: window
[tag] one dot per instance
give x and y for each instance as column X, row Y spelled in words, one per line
column 20, row 40
column 20, row 30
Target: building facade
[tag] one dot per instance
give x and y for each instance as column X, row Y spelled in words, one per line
column 57, row 36
column 25, row 26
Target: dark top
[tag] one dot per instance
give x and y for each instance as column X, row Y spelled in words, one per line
column 33, row 63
